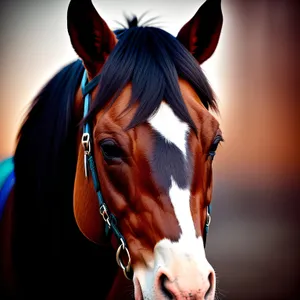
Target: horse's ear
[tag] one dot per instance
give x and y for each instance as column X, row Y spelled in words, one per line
column 201, row 34
column 90, row 36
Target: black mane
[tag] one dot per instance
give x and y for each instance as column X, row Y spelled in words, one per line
column 152, row 60
column 46, row 148
column 45, row 164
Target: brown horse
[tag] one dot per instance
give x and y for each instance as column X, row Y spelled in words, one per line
column 113, row 167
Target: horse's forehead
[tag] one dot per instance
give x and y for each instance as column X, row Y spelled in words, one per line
column 164, row 121
column 170, row 127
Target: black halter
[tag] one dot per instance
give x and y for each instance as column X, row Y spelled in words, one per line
column 90, row 167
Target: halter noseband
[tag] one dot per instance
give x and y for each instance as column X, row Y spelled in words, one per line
column 90, row 167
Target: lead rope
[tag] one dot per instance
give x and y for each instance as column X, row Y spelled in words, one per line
column 90, row 167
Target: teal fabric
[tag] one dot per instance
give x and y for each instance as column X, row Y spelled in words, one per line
column 6, row 167
column 7, row 181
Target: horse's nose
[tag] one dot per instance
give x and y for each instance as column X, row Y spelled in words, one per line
column 183, row 271
column 171, row 287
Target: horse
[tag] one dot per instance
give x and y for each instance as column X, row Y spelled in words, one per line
column 112, row 170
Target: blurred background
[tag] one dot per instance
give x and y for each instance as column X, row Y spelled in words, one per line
column 253, row 241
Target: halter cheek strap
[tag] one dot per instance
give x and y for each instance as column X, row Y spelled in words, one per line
column 90, row 168
column 207, row 223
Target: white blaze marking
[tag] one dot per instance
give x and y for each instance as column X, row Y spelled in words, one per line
column 168, row 255
column 180, row 199
column 170, row 127
column 175, row 131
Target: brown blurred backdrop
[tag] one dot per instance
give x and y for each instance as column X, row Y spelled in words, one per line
column 254, row 241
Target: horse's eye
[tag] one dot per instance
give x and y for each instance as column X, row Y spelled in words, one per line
column 111, row 150
column 214, row 146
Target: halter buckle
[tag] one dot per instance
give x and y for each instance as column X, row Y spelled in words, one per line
column 85, row 141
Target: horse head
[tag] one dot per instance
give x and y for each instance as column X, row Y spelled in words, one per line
column 143, row 181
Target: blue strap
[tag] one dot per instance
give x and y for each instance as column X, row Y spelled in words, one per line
column 206, row 226
column 93, row 170
column 206, row 222
column 209, row 208
column 5, row 190
column 86, row 107
column 87, row 87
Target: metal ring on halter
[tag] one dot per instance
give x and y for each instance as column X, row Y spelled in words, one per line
column 208, row 219
column 126, row 269
column 104, row 214
column 85, row 141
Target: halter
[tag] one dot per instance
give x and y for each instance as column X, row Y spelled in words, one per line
column 90, row 167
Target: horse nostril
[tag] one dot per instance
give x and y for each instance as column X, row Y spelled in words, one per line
column 211, row 283
column 163, row 279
